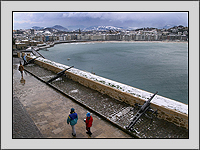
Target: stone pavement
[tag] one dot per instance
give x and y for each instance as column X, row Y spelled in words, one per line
column 23, row 125
column 39, row 111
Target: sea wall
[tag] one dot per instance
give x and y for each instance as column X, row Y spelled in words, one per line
column 171, row 115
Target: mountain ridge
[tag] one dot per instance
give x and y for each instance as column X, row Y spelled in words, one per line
column 97, row 28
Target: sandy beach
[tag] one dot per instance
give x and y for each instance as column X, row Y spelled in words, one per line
column 137, row 41
column 82, row 41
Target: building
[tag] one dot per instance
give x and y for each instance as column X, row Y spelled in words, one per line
column 143, row 34
column 96, row 37
column 20, row 46
column 112, row 37
column 32, row 31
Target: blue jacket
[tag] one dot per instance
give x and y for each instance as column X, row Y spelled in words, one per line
column 72, row 119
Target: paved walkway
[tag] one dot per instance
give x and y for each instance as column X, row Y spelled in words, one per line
column 44, row 111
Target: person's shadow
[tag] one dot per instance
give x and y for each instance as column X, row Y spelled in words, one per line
column 22, row 81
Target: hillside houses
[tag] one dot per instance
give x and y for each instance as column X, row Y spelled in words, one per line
column 32, row 37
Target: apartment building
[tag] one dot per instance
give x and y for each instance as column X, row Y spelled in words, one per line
column 25, row 38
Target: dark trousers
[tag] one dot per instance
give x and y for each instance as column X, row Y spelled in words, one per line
column 21, row 73
column 88, row 130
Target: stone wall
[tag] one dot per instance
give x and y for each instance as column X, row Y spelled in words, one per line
column 168, row 114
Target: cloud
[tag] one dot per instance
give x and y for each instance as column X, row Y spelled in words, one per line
column 27, row 21
column 142, row 19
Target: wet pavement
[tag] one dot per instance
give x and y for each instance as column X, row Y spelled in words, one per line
column 23, row 125
column 49, row 109
column 39, row 111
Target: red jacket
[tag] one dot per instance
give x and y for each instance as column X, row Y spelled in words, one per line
column 89, row 121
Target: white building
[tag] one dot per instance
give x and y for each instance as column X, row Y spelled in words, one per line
column 96, row 37
column 86, row 37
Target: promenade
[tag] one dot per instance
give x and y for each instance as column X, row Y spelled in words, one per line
column 39, row 111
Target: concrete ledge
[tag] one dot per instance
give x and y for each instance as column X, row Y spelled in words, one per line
column 133, row 134
column 178, row 118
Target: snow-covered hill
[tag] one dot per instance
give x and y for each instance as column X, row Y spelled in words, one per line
column 59, row 27
column 102, row 28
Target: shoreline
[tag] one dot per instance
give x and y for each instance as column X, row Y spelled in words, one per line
column 62, row 42
column 36, row 48
column 87, row 41
column 93, row 43
column 136, row 41
column 74, row 41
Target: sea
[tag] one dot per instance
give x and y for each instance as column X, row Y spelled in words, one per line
column 150, row 66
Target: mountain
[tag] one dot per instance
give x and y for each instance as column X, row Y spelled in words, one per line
column 102, row 28
column 56, row 27
column 37, row 28
column 76, row 27
column 50, row 29
column 168, row 26
column 132, row 28
column 59, row 27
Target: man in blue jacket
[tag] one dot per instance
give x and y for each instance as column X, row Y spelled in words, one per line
column 72, row 119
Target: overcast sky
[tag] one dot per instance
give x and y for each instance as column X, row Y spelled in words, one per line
column 26, row 20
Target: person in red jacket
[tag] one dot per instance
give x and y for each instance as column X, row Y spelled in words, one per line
column 88, row 122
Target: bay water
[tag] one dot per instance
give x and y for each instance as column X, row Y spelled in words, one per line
column 149, row 66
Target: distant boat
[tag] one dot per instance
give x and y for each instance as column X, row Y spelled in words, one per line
column 68, row 59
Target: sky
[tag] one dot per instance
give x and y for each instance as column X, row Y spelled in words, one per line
column 26, row 20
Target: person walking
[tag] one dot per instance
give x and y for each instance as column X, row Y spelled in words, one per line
column 72, row 119
column 21, row 69
column 88, row 122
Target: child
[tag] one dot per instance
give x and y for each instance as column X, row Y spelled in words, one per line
column 88, row 122
column 72, row 119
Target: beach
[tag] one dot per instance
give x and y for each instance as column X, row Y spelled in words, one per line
column 137, row 41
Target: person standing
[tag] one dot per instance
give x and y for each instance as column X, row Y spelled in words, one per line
column 24, row 58
column 88, row 122
column 72, row 119
column 21, row 69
